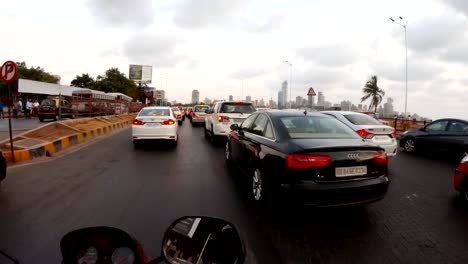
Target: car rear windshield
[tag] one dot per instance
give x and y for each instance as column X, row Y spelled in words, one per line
column 316, row 127
column 48, row 103
column 204, row 108
column 237, row 108
column 176, row 109
column 362, row 120
column 154, row 112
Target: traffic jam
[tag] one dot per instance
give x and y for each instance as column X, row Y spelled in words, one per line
column 328, row 158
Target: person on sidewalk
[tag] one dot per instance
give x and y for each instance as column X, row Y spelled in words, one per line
column 15, row 109
column 28, row 109
column 35, row 108
column 1, row 110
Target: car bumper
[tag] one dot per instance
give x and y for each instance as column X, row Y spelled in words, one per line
column 198, row 120
column 222, row 129
column 338, row 193
column 142, row 132
column 390, row 148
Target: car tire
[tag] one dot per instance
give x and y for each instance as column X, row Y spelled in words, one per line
column 73, row 116
column 213, row 137
column 179, row 122
column 41, row 119
column 409, row 145
column 136, row 144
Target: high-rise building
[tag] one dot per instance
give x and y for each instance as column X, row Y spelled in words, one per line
column 359, row 106
column 310, row 101
column 388, row 110
column 304, row 102
column 284, row 89
column 320, row 99
column 207, row 101
column 248, row 98
column 231, row 98
column 298, row 100
column 280, row 99
column 345, row 105
column 195, row 97
column 261, row 103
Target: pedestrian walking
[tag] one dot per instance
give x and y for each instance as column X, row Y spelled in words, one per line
column 27, row 113
column 15, row 109
column 1, row 109
column 20, row 107
column 35, row 108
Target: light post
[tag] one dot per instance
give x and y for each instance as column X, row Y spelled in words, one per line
column 290, row 81
column 402, row 24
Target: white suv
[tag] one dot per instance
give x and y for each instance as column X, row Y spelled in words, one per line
column 223, row 114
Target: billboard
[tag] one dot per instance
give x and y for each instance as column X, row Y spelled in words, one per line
column 140, row 73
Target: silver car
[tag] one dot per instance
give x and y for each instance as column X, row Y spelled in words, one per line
column 370, row 129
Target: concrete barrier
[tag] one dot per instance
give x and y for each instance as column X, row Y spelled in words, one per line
column 52, row 146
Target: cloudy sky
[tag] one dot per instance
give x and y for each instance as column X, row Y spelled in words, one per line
column 211, row 45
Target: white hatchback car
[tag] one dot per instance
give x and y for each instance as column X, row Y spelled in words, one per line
column 158, row 122
column 370, row 129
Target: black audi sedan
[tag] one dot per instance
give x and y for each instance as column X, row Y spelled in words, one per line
column 310, row 157
column 441, row 136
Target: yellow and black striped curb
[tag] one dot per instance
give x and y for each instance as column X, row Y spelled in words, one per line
column 49, row 148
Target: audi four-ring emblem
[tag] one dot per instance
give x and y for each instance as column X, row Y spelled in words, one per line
column 353, row 156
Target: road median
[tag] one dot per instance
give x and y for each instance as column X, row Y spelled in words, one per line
column 57, row 136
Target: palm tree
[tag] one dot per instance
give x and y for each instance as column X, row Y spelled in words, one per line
column 372, row 91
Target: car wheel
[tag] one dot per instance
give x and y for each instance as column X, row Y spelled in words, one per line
column 41, row 119
column 136, row 144
column 73, row 116
column 409, row 145
column 179, row 122
column 213, row 137
column 464, row 190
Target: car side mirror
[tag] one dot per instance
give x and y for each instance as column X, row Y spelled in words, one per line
column 202, row 240
column 234, row 127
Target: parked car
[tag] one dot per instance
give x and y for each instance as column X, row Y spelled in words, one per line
column 155, row 123
column 178, row 115
column 3, row 168
column 460, row 179
column 198, row 114
column 369, row 129
column 49, row 109
column 262, row 109
column 223, row 114
column 441, row 136
column 315, row 157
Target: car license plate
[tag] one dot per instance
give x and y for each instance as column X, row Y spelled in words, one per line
column 45, row 108
column 381, row 138
column 350, row 171
column 202, row 115
column 153, row 124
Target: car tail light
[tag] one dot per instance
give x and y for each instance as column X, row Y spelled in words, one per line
column 394, row 133
column 192, row 113
column 137, row 122
column 304, row 161
column 223, row 118
column 381, row 158
column 168, row 122
column 363, row 133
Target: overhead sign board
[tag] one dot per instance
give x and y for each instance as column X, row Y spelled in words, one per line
column 311, row 92
column 140, row 73
column 8, row 71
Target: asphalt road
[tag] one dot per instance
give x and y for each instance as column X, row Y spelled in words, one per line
column 142, row 191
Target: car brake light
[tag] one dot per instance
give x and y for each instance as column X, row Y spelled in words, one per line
column 223, row 118
column 381, row 158
column 363, row 133
column 168, row 122
column 394, row 133
column 192, row 113
column 137, row 122
column 304, row 161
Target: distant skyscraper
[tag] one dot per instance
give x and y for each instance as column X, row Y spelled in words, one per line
column 280, row 100
column 262, row 102
column 284, row 89
column 195, row 97
column 320, row 99
column 248, row 98
column 207, row 100
column 231, row 98
column 310, row 101
column 298, row 100
column 345, row 105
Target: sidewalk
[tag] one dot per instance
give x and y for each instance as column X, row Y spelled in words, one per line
column 18, row 126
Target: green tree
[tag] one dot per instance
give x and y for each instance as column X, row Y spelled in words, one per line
column 371, row 90
column 83, row 81
column 116, row 82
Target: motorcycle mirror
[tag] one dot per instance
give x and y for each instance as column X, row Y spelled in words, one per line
column 7, row 259
column 202, row 240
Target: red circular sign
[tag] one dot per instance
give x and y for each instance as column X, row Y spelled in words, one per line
column 8, row 71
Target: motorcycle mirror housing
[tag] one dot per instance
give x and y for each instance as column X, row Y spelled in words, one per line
column 198, row 239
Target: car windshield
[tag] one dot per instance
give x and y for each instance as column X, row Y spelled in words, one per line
column 242, row 108
column 176, row 110
column 203, row 108
column 316, row 127
column 361, row 120
column 48, row 103
column 154, row 112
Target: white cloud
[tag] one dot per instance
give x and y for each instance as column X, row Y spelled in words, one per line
column 418, row 70
column 153, row 50
column 330, row 55
column 273, row 22
column 201, row 13
column 122, row 12
column 458, row 5
column 248, row 73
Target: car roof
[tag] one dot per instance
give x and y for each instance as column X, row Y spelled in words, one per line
column 157, row 107
column 345, row 112
column 451, row 119
column 235, row 102
column 287, row 113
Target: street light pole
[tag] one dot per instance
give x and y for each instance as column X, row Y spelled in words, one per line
column 290, row 80
column 402, row 24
